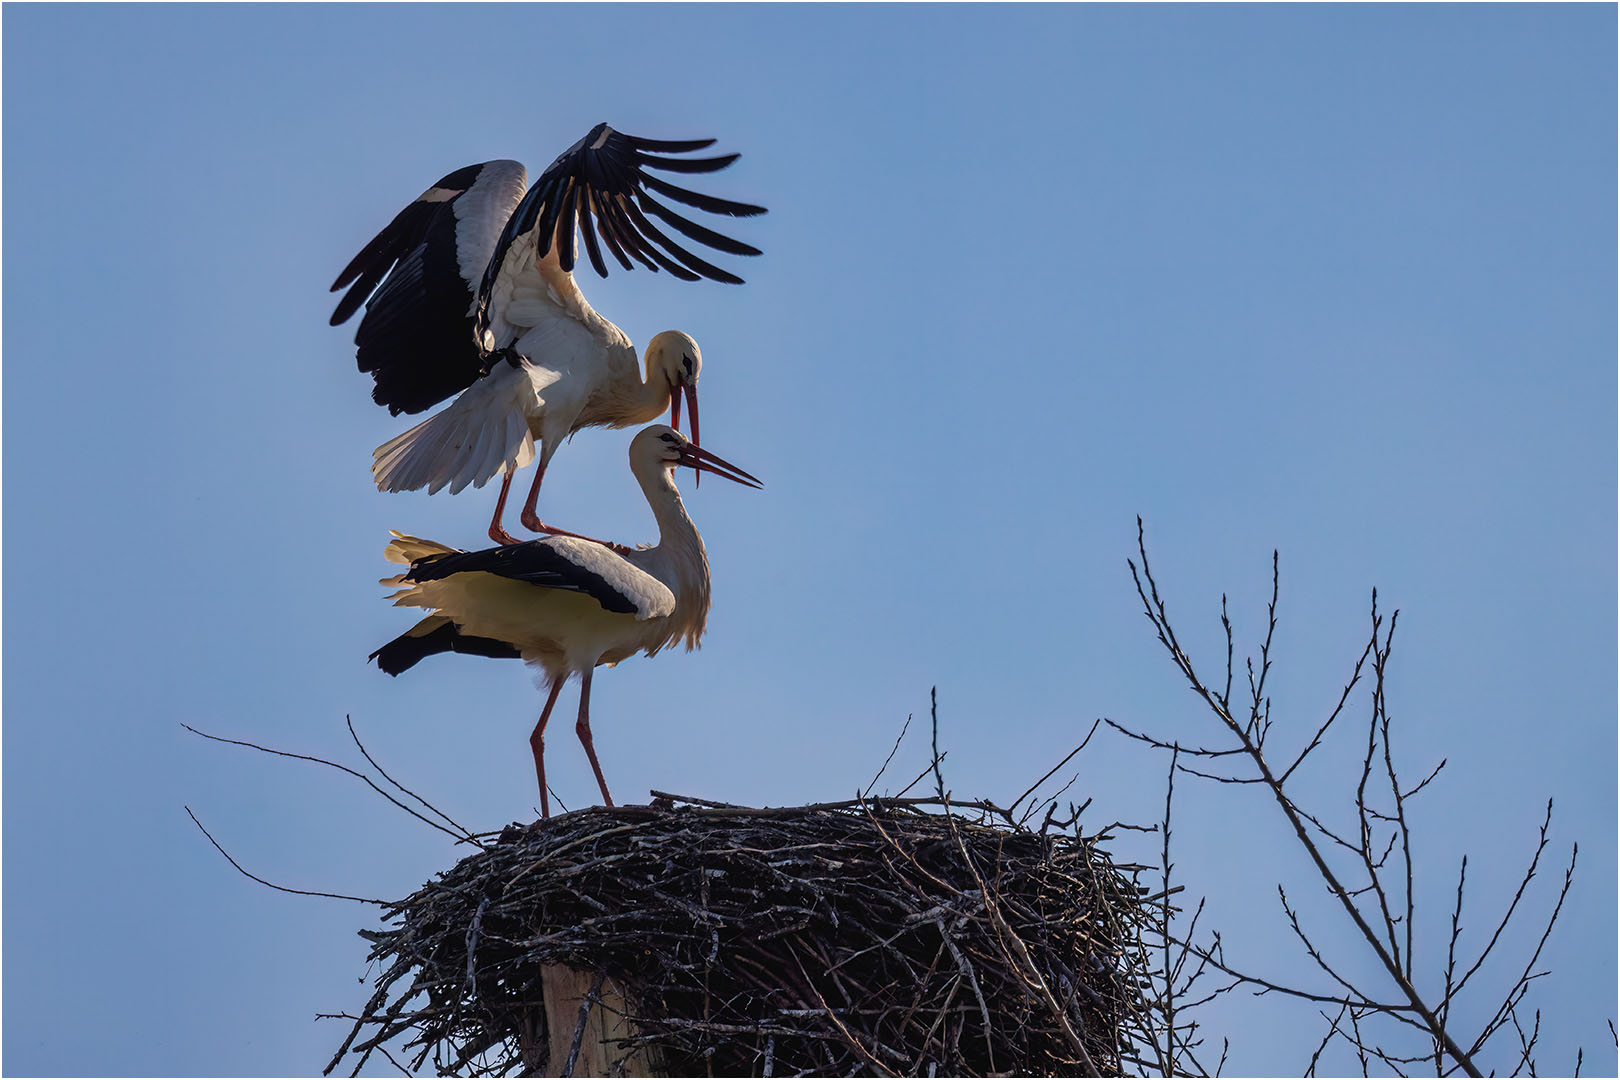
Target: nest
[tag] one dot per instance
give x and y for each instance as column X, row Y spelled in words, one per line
column 879, row 936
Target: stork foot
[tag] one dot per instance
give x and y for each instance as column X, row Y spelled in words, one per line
column 501, row 536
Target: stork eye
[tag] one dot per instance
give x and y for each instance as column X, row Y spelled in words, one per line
column 687, row 363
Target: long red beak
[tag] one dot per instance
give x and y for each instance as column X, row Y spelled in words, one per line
column 702, row 460
column 675, row 416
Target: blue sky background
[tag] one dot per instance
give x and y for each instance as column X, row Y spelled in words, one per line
column 1334, row 280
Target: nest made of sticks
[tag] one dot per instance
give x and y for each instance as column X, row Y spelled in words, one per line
column 877, row 936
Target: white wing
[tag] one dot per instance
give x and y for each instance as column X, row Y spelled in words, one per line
column 483, row 432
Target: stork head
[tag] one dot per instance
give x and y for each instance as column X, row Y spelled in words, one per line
column 661, row 446
column 673, row 360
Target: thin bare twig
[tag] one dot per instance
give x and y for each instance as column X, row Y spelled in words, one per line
column 362, row 777
column 898, row 739
column 271, row 884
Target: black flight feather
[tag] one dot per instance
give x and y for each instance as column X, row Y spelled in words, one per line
column 621, row 227
column 588, row 232
column 661, row 146
column 565, row 229
column 691, row 261
column 693, row 230
column 406, row 651
column 687, row 165
column 416, row 339
column 603, row 226
column 703, row 202
column 591, row 188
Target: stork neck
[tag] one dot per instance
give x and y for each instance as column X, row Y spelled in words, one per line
column 674, row 526
column 677, row 559
column 651, row 397
column 680, row 553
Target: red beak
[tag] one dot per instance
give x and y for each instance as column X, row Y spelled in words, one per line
column 675, row 415
column 702, row 460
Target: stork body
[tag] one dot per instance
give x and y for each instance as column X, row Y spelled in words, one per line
column 562, row 604
column 478, row 299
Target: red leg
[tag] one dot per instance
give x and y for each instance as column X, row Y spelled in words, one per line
column 532, row 521
column 529, row 518
column 496, row 533
column 537, row 741
column 583, row 730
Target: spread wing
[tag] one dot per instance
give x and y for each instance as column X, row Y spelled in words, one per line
column 417, row 337
column 600, row 187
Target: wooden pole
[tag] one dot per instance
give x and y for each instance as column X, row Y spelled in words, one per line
column 585, row 1022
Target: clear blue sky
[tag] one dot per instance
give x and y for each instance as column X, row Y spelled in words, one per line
column 1335, row 280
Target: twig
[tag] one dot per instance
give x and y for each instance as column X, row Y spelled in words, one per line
column 1066, row 758
column 271, row 884
column 462, row 829
column 885, row 766
column 368, row 781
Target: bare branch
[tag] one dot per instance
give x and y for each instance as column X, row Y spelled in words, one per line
column 1066, row 759
column 466, row 833
column 1157, row 744
column 1529, row 973
column 1250, row 737
column 362, row 777
column 1518, row 895
column 271, row 884
column 1338, row 709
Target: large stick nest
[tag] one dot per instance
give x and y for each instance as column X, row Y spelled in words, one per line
column 879, row 936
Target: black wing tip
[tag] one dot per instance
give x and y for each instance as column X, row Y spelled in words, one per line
column 741, row 209
column 686, row 165
column 393, row 659
column 347, row 307
column 409, row 649
column 662, row 146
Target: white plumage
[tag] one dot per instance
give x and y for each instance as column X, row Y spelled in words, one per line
column 563, row 604
column 534, row 362
column 484, row 431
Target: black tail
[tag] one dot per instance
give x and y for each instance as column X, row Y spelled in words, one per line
column 403, row 652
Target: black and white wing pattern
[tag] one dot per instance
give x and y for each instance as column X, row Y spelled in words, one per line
column 417, row 337
column 600, row 186
column 559, row 562
column 437, row 634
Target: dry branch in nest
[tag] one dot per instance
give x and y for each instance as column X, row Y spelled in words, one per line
column 878, row 936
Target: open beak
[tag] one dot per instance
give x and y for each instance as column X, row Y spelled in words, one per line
column 675, row 415
column 700, row 459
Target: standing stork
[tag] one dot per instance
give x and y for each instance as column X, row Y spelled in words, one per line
column 563, row 604
column 477, row 298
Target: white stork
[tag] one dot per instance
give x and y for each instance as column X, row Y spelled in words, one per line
column 480, row 300
column 562, row 604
